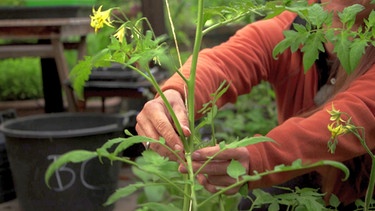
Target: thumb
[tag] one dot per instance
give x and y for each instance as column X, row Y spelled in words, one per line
column 180, row 110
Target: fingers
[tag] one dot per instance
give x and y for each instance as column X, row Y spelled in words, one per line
column 213, row 175
column 213, row 184
column 214, row 168
column 228, row 154
column 154, row 121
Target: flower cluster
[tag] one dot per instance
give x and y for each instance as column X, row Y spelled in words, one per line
column 338, row 127
column 100, row 18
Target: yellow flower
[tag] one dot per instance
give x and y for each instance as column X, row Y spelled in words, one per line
column 99, row 18
column 120, row 34
column 336, row 131
column 335, row 115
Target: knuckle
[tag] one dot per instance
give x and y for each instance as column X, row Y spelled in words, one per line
column 161, row 125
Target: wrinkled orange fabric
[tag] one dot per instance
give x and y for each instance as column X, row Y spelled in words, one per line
column 244, row 61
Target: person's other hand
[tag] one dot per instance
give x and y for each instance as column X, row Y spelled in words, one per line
column 154, row 121
column 214, row 174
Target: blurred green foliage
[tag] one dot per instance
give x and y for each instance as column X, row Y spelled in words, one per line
column 20, row 79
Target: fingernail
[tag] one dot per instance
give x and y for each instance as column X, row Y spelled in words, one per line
column 196, row 155
column 178, row 147
column 187, row 129
column 182, row 169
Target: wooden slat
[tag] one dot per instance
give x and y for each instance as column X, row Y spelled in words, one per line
column 12, row 51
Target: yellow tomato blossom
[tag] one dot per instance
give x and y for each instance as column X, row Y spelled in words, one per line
column 120, row 34
column 336, row 130
column 99, row 18
column 335, row 115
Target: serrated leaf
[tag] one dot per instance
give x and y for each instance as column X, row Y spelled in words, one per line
column 317, row 15
column 348, row 15
column 123, row 192
column 127, row 142
column 235, row 169
column 342, row 49
column 290, row 37
column 356, row 52
column 74, row 156
column 119, row 57
column 80, row 74
column 108, row 144
column 313, row 46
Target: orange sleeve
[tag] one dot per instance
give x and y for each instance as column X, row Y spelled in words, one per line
column 243, row 61
column 307, row 138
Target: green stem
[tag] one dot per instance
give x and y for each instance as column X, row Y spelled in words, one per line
column 221, row 203
column 248, row 178
column 192, row 200
column 214, row 26
column 186, row 201
column 370, row 187
column 193, row 70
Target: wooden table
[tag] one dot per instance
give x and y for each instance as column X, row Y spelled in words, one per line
column 50, row 34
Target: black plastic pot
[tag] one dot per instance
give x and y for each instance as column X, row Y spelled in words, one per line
column 34, row 142
column 7, row 191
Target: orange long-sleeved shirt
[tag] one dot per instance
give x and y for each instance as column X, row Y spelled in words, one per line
column 244, row 61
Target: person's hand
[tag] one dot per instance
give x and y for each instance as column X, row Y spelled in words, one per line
column 154, row 121
column 214, row 174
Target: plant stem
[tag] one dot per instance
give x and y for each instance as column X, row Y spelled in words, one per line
column 193, row 70
column 173, row 32
column 370, row 187
column 191, row 113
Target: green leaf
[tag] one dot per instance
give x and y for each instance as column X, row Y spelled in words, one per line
column 317, row 15
column 370, row 22
column 153, row 206
column 300, row 39
column 75, row 156
column 80, row 74
column 108, row 144
column 314, row 45
column 357, row 50
column 338, row 165
column 334, row 201
column 235, row 169
column 127, row 142
column 348, row 15
column 249, row 141
column 244, row 190
column 119, row 56
column 155, row 193
column 288, row 41
column 123, row 192
column 342, row 49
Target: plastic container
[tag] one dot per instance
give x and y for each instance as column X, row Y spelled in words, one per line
column 7, row 190
column 34, row 142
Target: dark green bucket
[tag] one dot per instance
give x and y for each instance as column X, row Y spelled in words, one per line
column 36, row 141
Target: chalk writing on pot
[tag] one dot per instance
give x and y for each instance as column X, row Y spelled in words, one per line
column 65, row 170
